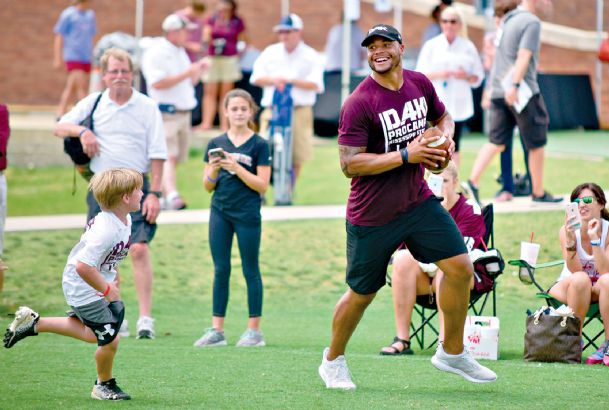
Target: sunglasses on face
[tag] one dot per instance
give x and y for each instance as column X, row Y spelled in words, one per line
column 584, row 199
column 449, row 21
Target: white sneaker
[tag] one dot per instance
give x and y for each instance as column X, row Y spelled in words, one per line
column 462, row 364
column 145, row 327
column 335, row 373
column 124, row 330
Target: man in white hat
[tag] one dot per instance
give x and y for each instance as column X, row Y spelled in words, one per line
column 291, row 61
column 170, row 77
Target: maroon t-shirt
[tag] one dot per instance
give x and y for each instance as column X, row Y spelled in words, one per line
column 468, row 217
column 383, row 120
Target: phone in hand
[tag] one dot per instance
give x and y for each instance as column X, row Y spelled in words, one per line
column 573, row 217
column 216, row 153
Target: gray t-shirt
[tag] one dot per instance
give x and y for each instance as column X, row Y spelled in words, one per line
column 521, row 29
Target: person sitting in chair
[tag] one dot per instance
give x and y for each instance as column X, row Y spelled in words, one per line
column 411, row 278
column 585, row 275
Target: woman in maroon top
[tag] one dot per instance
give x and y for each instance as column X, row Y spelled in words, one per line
column 222, row 31
column 381, row 149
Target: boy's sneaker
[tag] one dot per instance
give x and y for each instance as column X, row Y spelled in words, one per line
column 108, row 391
column 335, row 373
column 462, row 364
column 145, row 327
column 124, row 330
column 210, row 338
column 23, row 326
column 599, row 356
column 251, row 338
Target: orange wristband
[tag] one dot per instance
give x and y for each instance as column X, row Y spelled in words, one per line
column 106, row 292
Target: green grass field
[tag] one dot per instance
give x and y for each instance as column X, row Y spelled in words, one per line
column 303, row 266
column 303, row 271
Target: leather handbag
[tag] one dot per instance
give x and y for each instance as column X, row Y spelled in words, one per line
column 552, row 338
column 603, row 51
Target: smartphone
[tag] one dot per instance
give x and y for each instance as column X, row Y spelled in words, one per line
column 216, row 153
column 573, row 216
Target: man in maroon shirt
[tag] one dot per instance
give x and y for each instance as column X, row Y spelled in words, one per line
column 382, row 150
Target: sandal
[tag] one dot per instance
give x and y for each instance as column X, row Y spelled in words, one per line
column 395, row 351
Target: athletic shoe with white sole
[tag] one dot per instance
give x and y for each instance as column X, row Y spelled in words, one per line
column 145, row 328
column 23, row 326
column 251, row 338
column 463, row 365
column 335, row 373
column 211, row 337
column 124, row 330
column 108, row 390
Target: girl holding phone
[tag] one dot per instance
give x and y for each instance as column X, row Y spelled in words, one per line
column 238, row 171
column 585, row 276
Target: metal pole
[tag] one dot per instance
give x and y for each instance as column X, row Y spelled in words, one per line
column 346, row 54
column 599, row 65
column 397, row 15
column 139, row 30
column 285, row 7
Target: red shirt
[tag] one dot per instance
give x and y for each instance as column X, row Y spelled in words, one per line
column 383, row 120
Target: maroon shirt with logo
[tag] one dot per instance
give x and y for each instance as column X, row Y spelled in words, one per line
column 384, row 120
column 468, row 217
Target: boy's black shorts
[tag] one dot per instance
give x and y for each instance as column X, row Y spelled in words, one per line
column 103, row 317
column 428, row 230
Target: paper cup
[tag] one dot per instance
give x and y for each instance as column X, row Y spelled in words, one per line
column 528, row 252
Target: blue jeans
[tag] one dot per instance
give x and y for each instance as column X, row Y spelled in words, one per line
column 221, row 231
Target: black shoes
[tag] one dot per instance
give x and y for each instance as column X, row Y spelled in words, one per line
column 108, row 390
column 546, row 198
column 23, row 326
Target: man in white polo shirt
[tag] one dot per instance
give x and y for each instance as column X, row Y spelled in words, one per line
column 127, row 132
column 170, row 77
column 291, row 61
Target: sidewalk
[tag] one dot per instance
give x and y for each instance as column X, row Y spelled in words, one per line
column 269, row 213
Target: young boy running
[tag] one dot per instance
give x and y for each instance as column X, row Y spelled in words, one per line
column 90, row 280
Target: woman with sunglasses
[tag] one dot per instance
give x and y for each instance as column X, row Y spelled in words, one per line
column 451, row 61
column 585, row 276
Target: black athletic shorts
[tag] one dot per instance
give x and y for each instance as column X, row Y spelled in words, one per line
column 141, row 230
column 532, row 122
column 103, row 317
column 428, row 230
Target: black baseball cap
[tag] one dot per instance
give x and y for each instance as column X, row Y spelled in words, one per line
column 382, row 30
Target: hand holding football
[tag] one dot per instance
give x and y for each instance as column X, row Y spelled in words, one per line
column 443, row 144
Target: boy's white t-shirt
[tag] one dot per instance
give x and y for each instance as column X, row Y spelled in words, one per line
column 103, row 245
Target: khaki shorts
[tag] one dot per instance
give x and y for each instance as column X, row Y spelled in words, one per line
column 223, row 70
column 177, row 134
column 302, row 132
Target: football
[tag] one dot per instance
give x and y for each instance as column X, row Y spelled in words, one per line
column 443, row 143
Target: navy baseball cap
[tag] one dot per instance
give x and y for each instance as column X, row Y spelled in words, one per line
column 382, row 30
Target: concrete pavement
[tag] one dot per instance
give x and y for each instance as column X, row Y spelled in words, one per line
column 269, row 213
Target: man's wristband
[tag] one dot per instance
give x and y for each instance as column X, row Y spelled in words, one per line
column 107, row 291
column 82, row 132
column 516, row 85
column 210, row 179
column 571, row 248
column 404, row 154
column 596, row 242
column 158, row 194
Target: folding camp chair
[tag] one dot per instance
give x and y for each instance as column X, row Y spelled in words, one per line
column 426, row 310
column 526, row 274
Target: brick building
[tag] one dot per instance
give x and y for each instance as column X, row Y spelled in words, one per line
column 26, row 51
